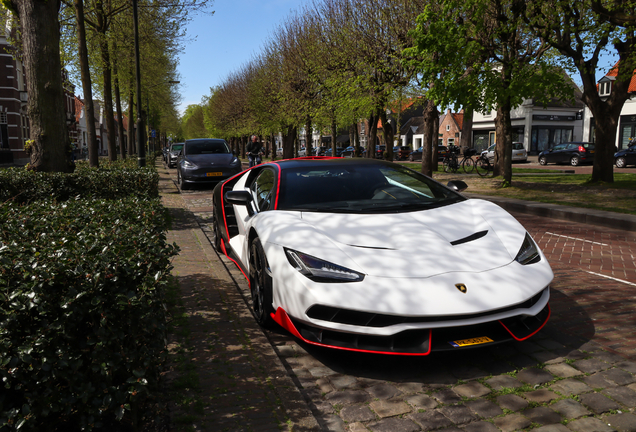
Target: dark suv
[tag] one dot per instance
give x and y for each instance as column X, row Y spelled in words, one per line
column 574, row 153
column 401, row 152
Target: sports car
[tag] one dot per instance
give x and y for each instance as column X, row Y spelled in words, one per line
column 367, row 255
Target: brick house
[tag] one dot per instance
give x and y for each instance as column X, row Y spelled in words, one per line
column 450, row 127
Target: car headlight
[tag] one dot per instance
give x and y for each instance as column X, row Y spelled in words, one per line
column 529, row 253
column 320, row 270
column 235, row 161
column 187, row 164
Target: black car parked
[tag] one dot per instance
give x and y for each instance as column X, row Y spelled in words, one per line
column 416, row 155
column 625, row 157
column 206, row 160
column 574, row 153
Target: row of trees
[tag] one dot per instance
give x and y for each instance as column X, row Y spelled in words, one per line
column 94, row 40
column 338, row 61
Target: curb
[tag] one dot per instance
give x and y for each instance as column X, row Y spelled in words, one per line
column 602, row 218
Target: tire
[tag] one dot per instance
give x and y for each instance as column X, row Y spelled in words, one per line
column 468, row 165
column 180, row 183
column 217, row 235
column 574, row 161
column 450, row 165
column 483, row 167
column 410, row 158
column 261, row 285
column 543, row 160
column 621, row 162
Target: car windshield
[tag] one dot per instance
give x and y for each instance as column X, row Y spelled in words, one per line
column 206, row 147
column 360, row 188
column 517, row 146
column 177, row 147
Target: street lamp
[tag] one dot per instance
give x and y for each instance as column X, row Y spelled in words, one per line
column 148, row 110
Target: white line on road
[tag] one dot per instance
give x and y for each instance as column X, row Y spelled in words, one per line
column 609, row 277
column 574, row 238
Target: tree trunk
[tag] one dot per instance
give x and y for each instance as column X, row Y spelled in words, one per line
column 373, row 133
column 40, row 28
column 334, row 135
column 108, row 99
column 430, row 138
column 131, row 123
column 274, row 149
column 435, row 141
column 387, row 133
column 120, row 117
column 467, row 129
column 308, row 136
column 89, row 110
column 288, row 142
column 503, row 149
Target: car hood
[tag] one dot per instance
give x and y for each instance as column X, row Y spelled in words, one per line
column 470, row 236
column 201, row 160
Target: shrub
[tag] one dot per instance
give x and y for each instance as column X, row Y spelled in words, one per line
column 111, row 182
column 82, row 330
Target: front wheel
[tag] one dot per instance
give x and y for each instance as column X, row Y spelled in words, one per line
column 217, row 234
column 574, row 161
column 410, row 158
column 180, row 182
column 450, row 165
column 483, row 167
column 468, row 165
column 621, row 162
column 261, row 285
column 543, row 160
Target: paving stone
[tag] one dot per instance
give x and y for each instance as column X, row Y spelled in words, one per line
column 357, row 413
column 447, row 396
column 570, row 409
column 286, row 351
column 562, row 370
column 576, row 355
column 548, row 357
column 458, row 414
column 622, row 422
column 589, row 424
column 383, row 391
column 618, row 376
column 468, row 373
column 503, row 381
column 540, row 396
column 410, row 388
column 523, row 361
column 344, row 382
column 481, row 426
column 542, row 415
column 321, row 371
column 629, row 366
column 512, row 402
column 552, row 428
column 325, row 385
column 598, row 403
column 590, row 365
column 431, row 420
column 385, row 408
column 632, row 386
column 347, row 397
column 484, row 408
column 512, row 422
column 357, row 427
column 597, row 381
column 421, row 401
column 623, row 395
column 394, row 425
column 471, row 390
column 534, row 376
column 607, row 357
column 332, row 423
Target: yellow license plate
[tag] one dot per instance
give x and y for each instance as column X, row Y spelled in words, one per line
column 214, row 174
column 471, row 341
column 591, row 151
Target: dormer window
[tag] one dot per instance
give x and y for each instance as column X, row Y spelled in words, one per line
column 604, row 88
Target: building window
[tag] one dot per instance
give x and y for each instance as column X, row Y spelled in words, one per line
column 604, row 88
column 447, row 128
column 450, row 141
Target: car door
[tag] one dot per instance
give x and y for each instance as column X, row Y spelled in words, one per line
column 630, row 155
column 556, row 153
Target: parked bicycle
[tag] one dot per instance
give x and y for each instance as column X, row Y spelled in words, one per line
column 452, row 163
column 483, row 166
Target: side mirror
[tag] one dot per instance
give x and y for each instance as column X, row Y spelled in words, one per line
column 243, row 198
column 457, row 185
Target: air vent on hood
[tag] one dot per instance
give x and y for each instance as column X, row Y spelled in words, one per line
column 470, row 238
column 371, row 247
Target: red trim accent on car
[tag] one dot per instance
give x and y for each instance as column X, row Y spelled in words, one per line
column 277, row 185
column 235, row 263
column 531, row 334
column 281, row 317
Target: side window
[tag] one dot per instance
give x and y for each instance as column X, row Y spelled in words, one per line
column 262, row 188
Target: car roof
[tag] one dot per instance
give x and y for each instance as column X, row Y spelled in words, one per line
column 325, row 161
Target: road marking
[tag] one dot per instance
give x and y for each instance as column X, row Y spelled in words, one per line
column 574, row 238
column 610, row 277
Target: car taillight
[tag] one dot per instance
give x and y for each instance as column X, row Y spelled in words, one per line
column 582, row 149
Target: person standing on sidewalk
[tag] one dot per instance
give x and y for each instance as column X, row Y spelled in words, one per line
column 254, row 150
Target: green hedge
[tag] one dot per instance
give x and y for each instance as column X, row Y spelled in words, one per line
column 111, row 182
column 82, row 326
